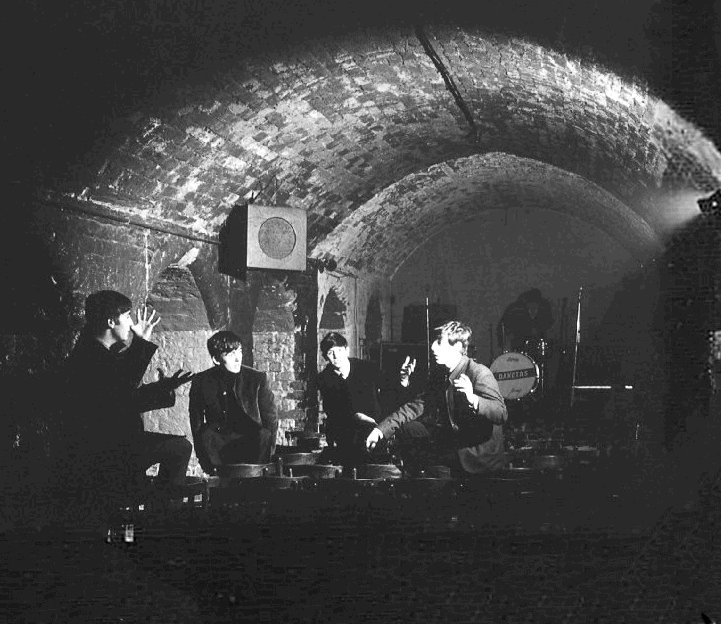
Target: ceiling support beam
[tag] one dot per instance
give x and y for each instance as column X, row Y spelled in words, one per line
column 447, row 79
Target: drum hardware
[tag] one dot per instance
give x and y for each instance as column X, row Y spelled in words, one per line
column 422, row 486
column 549, row 461
column 299, row 458
column 306, row 441
column 368, row 482
column 536, row 347
column 551, row 446
column 313, row 471
column 518, row 473
column 377, row 470
column 532, row 444
column 354, row 488
column 512, row 478
column 437, row 471
column 323, row 471
column 583, row 455
column 283, row 482
column 236, row 471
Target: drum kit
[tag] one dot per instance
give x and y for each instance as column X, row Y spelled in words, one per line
column 521, row 376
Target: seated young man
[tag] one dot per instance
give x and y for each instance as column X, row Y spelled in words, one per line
column 349, row 390
column 232, row 409
column 104, row 399
column 457, row 421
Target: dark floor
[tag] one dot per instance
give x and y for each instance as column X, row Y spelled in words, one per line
column 611, row 548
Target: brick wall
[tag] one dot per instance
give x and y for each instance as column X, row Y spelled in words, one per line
column 77, row 254
column 274, row 353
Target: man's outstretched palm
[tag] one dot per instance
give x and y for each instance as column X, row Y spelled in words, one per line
column 176, row 380
column 144, row 325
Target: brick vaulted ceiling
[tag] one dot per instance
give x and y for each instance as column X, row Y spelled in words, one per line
column 361, row 130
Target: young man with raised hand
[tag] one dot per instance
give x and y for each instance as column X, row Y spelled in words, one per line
column 105, row 399
column 458, row 419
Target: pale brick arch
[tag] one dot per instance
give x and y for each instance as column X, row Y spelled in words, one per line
column 335, row 125
column 381, row 234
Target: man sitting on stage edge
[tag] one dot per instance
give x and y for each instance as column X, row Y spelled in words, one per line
column 458, row 420
column 108, row 443
column 349, row 390
column 232, row 409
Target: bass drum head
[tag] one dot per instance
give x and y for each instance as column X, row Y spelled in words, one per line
column 517, row 374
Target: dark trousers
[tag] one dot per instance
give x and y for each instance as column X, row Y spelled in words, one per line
column 171, row 451
column 421, row 444
column 225, row 447
column 97, row 479
column 349, row 447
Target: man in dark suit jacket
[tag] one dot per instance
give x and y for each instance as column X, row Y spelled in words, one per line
column 107, row 443
column 232, row 409
column 458, row 420
column 349, row 388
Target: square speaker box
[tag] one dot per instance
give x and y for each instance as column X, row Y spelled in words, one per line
column 276, row 237
column 263, row 237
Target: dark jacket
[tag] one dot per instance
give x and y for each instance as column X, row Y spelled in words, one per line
column 105, row 399
column 477, row 427
column 343, row 398
column 208, row 406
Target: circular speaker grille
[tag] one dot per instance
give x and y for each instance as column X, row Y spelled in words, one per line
column 276, row 238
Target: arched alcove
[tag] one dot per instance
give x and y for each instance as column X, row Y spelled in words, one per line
column 332, row 319
column 334, row 311
column 181, row 336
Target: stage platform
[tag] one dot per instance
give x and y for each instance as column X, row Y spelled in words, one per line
column 596, row 552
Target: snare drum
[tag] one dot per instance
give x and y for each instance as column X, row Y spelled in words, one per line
column 517, row 374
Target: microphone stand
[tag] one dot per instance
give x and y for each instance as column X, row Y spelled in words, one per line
column 577, row 340
column 428, row 336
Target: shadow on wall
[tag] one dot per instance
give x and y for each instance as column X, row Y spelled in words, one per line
column 655, row 333
column 373, row 330
column 687, row 313
column 40, row 323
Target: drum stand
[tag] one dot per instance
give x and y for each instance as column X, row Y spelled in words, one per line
column 541, row 388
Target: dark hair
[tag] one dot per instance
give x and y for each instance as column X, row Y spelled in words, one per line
column 532, row 295
column 102, row 306
column 223, row 342
column 332, row 340
column 455, row 332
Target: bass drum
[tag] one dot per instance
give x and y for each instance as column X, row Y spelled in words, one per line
column 517, row 374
